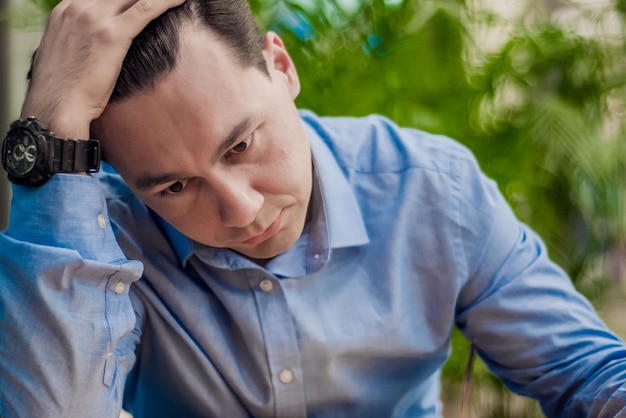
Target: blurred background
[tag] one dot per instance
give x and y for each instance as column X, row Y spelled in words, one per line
column 536, row 88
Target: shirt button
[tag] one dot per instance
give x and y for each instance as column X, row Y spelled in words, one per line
column 102, row 222
column 266, row 285
column 119, row 288
column 316, row 256
column 286, row 376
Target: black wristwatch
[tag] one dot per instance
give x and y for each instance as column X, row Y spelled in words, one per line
column 31, row 153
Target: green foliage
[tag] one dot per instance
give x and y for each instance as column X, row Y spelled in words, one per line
column 26, row 17
column 543, row 102
column 380, row 58
column 46, row 5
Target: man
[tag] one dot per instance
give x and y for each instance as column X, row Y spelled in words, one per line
column 256, row 260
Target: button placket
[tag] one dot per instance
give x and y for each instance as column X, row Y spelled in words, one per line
column 285, row 376
column 280, row 345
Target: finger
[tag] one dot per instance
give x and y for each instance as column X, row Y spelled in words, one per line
column 59, row 9
column 101, row 8
column 62, row 5
column 87, row 12
column 143, row 12
column 125, row 5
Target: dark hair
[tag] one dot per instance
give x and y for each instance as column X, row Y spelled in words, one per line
column 154, row 52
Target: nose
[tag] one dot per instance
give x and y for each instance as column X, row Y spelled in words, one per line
column 238, row 203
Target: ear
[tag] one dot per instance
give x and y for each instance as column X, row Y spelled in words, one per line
column 279, row 63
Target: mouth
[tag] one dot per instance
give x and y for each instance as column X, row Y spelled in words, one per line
column 267, row 234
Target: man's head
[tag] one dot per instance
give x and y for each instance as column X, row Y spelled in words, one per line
column 213, row 143
column 154, row 52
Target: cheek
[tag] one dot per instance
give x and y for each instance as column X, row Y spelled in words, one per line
column 195, row 215
column 298, row 163
column 291, row 154
column 195, row 223
column 289, row 170
column 180, row 214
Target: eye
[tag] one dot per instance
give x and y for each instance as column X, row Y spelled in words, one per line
column 174, row 188
column 242, row 146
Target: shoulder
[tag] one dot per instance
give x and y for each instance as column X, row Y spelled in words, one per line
column 375, row 144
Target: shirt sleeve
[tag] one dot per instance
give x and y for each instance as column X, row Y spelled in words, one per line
column 66, row 320
column 530, row 325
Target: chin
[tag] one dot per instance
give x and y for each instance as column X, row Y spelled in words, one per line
column 263, row 254
column 271, row 248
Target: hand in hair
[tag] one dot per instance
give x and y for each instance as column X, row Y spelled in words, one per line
column 78, row 61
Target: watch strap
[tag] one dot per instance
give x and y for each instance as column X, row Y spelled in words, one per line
column 75, row 156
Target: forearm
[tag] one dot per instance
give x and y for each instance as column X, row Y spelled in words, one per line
column 530, row 325
column 66, row 320
column 65, row 329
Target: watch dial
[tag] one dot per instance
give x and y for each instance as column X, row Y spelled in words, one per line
column 21, row 153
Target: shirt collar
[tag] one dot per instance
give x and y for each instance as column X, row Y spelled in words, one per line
column 339, row 210
column 345, row 224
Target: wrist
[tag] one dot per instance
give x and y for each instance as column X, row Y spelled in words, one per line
column 62, row 121
column 31, row 153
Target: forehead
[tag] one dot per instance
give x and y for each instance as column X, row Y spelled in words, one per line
column 204, row 105
column 207, row 90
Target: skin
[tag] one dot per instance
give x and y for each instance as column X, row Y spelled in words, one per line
column 217, row 150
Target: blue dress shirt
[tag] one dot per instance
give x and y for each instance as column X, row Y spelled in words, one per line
column 104, row 303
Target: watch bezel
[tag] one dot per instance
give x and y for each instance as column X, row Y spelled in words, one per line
column 41, row 170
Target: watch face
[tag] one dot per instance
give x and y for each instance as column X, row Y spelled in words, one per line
column 20, row 152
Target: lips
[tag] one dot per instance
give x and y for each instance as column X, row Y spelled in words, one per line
column 267, row 234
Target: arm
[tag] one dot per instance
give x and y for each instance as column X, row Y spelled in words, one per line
column 528, row 322
column 65, row 315
column 66, row 318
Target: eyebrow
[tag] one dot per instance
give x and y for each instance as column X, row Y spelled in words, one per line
column 148, row 182
column 234, row 135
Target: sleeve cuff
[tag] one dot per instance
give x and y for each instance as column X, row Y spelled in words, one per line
column 69, row 211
